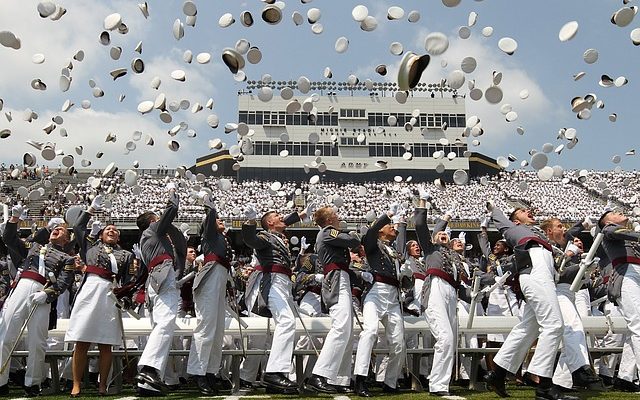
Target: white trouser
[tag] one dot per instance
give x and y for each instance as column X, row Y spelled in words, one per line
column 502, row 302
column 251, row 364
column 470, row 341
column 15, row 312
column 441, row 317
column 280, row 303
column 413, row 339
column 574, row 346
column 629, row 306
column 541, row 318
column 205, row 354
column 606, row 365
column 310, row 304
column 164, row 310
column 583, row 302
column 335, row 358
column 381, row 304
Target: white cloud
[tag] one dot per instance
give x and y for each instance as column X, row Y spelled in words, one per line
column 89, row 128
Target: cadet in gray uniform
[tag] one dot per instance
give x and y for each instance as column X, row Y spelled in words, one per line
column 333, row 247
column 382, row 302
column 541, row 315
column 269, row 293
column 622, row 248
column 573, row 367
column 94, row 317
column 209, row 286
column 164, row 250
column 34, row 290
column 439, row 295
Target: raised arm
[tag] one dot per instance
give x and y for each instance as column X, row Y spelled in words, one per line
column 485, row 245
column 16, row 247
column 501, row 222
column 370, row 239
column 617, row 232
column 80, row 232
column 401, row 239
column 292, row 219
column 422, row 230
column 169, row 214
column 343, row 240
column 250, row 236
column 210, row 226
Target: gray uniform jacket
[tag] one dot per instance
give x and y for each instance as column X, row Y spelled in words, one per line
column 162, row 238
column 623, row 248
column 333, row 247
column 520, row 238
column 27, row 254
column 382, row 257
column 213, row 243
column 272, row 250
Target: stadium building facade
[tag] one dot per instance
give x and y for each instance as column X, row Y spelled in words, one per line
column 351, row 135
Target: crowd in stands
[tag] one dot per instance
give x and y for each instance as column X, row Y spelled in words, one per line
column 572, row 196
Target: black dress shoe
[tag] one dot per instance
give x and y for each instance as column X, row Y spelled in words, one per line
column 343, row 389
column 388, row 389
column 146, row 390
column 424, row 381
column 553, row 393
column 606, row 380
column 246, row 386
column 585, row 377
column 150, row 376
column 495, row 384
column 528, row 380
column 219, row 383
column 360, row 389
column 319, row 384
column 204, row 386
column 440, row 393
column 32, row 391
column 625, row 386
column 277, row 380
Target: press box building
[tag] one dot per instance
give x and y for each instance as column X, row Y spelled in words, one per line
column 348, row 133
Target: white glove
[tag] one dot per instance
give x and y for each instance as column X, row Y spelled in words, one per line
column 97, row 203
column 424, row 194
column 367, row 277
column 250, row 212
column 303, row 244
column 490, row 205
column 38, row 297
column 447, row 230
column 572, row 248
column 589, row 222
column 173, row 196
column 17, row 210
column 393, row 209
column 319, row 278
column 53, row 222
column 96, row 226
column 485, row 222
column 462, row 236
column 136, row 251
column 170, row 186
column 208, row 201
column 450, row 212
column 311, row 208
column 406, row 271
column 396, row 219
column 200, row 259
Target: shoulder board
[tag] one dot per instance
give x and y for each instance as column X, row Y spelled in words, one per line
column 28, row 244
column 334, row 233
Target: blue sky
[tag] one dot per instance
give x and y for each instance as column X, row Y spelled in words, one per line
column 542, row 65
